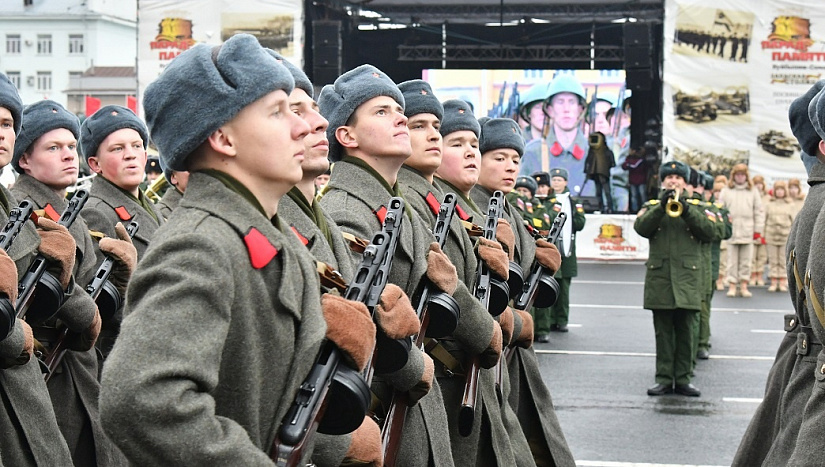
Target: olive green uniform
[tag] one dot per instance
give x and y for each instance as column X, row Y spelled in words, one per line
column 560, row 311
column 674, row 284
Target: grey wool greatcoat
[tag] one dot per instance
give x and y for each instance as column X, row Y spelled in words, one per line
column 528, row 395
column 774, row 428
column 74, row 387
column 169, row 202
column 222, row 321
column 473, row 333
column 30, row 434
column 353, row 197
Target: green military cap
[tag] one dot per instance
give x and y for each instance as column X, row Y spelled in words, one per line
column 559, row 172
column 674, row 167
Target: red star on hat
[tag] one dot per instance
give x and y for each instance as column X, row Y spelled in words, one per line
column 376, row 75
column 423, row 92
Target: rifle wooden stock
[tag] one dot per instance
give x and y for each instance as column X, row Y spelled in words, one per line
column 305, row 414
column 538, row 272
column 481, row 291
column 397, row 413
column 17, row 219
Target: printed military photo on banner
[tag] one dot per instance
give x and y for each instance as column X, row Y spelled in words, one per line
column 717, row 161
column 708, row 104
column 713, row 32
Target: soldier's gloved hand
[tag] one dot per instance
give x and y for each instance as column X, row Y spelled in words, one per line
column 494, row 256
column 505, row 236
column 525, row 336
column 395, row 313
column 440, row 269
column 685, row 205
column 57, row 245
column 666, row 195
column 85, row 340
column 548, row 255
column 491, row 355
column 365, row 447
column 8, row 277
column 124, row 253
column 505, row 320
column 350, row 327
column 28, row 343
column 425, row 383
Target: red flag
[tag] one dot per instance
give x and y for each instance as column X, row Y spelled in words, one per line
column 92, row 105
column 131, row 103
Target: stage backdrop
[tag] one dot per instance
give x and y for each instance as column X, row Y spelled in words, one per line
column 732, row 68
column 167, row 28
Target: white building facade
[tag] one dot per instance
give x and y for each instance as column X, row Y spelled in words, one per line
column 45, row 43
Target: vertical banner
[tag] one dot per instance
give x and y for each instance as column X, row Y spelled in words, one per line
column 167, row 28
column 732, row 69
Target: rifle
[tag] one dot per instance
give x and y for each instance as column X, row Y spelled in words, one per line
column 17, row 218
column 394, row 423
column 540, row 285
column 329, row 385
column 497, row 109
column 107, row 298
column 484, row 290
column 512, row 104
column 617, row 114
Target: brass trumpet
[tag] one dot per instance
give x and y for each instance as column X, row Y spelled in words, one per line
column 673, row 207
column 155, row 190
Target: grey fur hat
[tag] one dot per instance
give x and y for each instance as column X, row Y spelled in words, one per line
column 39, row 119
column 205, row 87
column 10, row 99
column 674, row 168
column 419, row 99
column 458, row 116
column 301, row 79
column 338, row 101
column 802, row 122
column 497, row 133
column 527, row 182
column 106, row 121
column 559, row 172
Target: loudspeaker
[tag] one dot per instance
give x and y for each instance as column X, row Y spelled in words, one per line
column 637, row 57
column 636, row 35
column 639, row 79
column 326, row 52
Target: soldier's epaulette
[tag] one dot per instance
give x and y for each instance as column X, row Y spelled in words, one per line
column 553, row 200
column 719, row 205
column 694, row 201
column 96, row 235
column 653, row 202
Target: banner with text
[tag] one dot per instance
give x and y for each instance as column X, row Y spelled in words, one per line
column 165, row 29
column 611, row 237
column 732, row 69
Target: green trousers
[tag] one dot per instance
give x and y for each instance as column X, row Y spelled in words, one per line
column 675, row 337
column 541, row 320
column 561, row 310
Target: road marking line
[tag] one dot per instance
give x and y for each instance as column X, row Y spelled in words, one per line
column 644, row 354
column 639, row 307
column 768, row 331
column 579, row 281
column 634, row 464
column 747, row 400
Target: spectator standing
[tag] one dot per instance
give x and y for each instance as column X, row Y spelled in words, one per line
column 795, row 193
column 745, row 207
column 723, row 245
column 760, row 251
column 779, row 214
column 637, row 167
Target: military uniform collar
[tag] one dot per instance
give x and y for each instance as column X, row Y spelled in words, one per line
column 39, row 192
column 141, row 199
column 368, row 168
column 412, row 178
column 233, row 184
column 447, row 187
column 577, row 147
column 817, row 175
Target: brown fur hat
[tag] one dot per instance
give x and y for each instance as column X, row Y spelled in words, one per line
column 740, row 168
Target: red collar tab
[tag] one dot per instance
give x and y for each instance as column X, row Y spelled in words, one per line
column 461, row 213
column 300, row 237
column 122, row 213
column 578, row 152
column 433, row 203
column 260, row 249
column 556, row 149
column 381, row 213
column 51, row 213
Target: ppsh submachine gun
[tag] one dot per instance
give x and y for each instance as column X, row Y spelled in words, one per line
column 17, row 219
column 541, row 289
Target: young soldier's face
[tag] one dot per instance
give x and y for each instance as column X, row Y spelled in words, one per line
column 673, row 182
column 321, row 181
column 268, row 140
column 425, row 141
column 524, row 192
column 52, row 159
column 566, row 110
column 7, row 136
column 543, row 190
column 461, row 161
column 559, row 184
column 499, row 169
column 121, row 159
column 316, row 145
column 537, row 116
column 380, row 128
column 601, row 122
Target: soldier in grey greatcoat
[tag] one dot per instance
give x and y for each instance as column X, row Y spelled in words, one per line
column 501, row 149
column 225, row 273
column 31, row 435
column 369, row 142
column 171, row 199
column 775, row 424
column 46, row 156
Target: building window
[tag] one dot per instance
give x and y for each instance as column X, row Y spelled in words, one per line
column 13, row 44
column 28, row 2
column 14, row 77
column 75, row 74
column 44, row 80
column 75, row 44
column 44, row 44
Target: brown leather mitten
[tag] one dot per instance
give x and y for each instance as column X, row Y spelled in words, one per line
column 525, row 337
column 505, row 320
column 494, row 256
column 505, row 236
column 365, row 447
column 83, row 341
column 440, row 269
column 548, row 255
column 395, row 313
column 8, row 277
column 424, row 384
column 491, row 355
column 28, row 340
column 124, row 253
column 350, row 327
column 58, row 246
